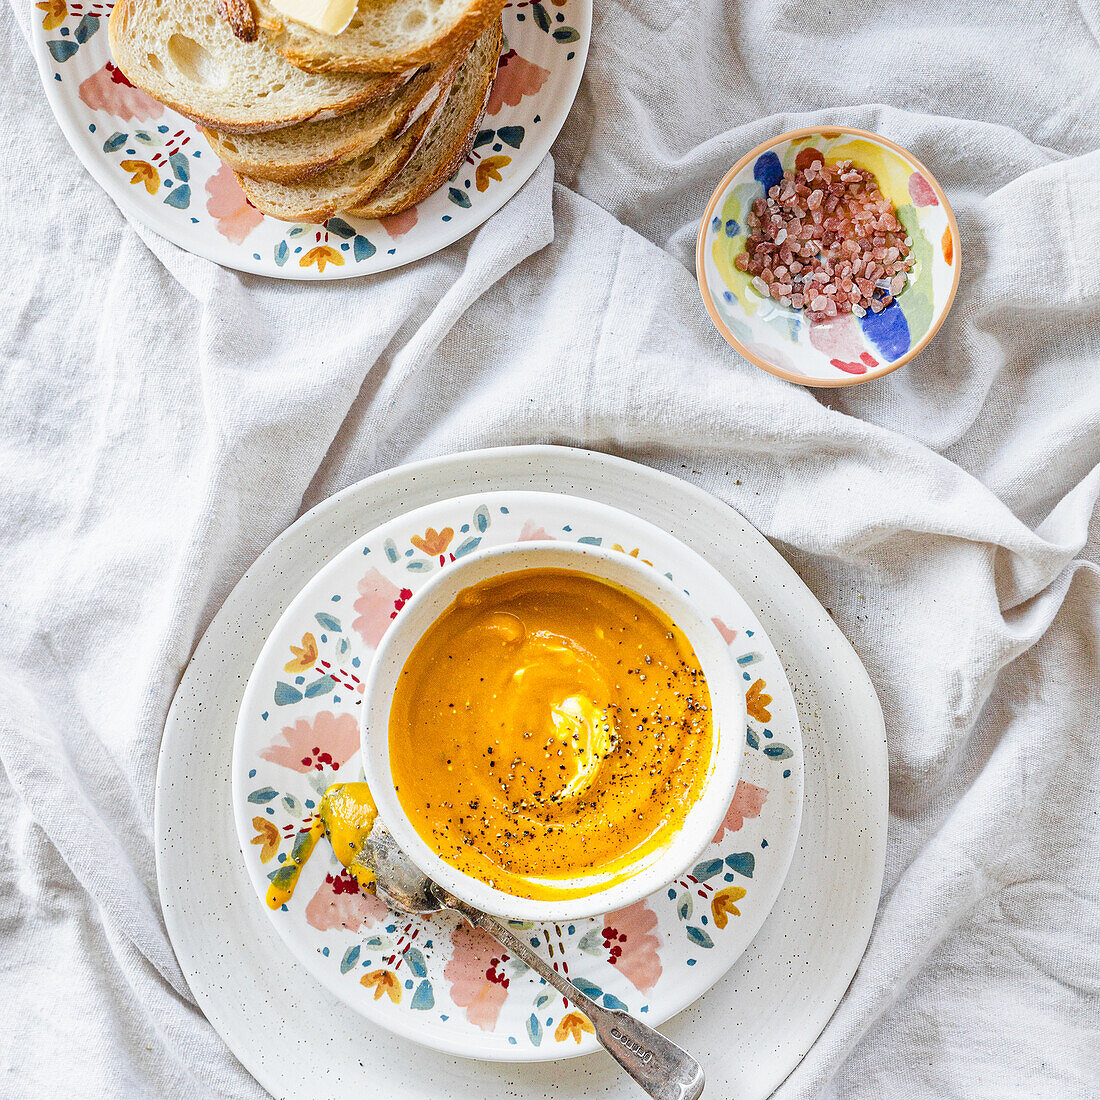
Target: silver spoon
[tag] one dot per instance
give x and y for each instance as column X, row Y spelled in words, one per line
column 664, row 1070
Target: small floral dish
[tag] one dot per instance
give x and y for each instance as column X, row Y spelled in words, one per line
column 432, row 978
column 727, row 705
column 160, row 171
column 843, row 350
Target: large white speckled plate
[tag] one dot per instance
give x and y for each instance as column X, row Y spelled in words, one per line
column 754, row 1024
column 158, row 168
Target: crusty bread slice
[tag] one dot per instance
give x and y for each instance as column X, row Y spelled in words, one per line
column 295, row 153
column 450, row 139
column 182, row 53
column 383, row 35
column 316, row 199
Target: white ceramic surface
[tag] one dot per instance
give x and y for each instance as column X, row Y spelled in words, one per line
column 425, row 978
column 723, row 679
column 758, row 1022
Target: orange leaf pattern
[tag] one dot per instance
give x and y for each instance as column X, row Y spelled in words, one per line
column 489, row 169
column 305, row 656
column 383, row 982
column 56, row 11
column 267, row 835
column 756, row 701
column 722, row 905
column 321, row 255
column 434, row 542
column 631, row 553
column 573, row 1025
column 142, row 172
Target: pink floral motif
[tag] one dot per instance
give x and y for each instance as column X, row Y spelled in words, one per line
column 376, row 606
column 920, row 191
column 326, row 742
column 473, row 972
column 235, row 215
column 531, row 532
column 397, row 225
column 748, row 801
column 840, row 339
column 627, row 935
column 340, row 903
column 107, row 89
column 727, row 634
column 516, row 77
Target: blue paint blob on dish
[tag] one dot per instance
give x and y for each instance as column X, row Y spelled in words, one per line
column 767, row 170
column 888, row 331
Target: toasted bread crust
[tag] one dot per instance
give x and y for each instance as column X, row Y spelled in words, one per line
column 127, row 57
column 297, row 171
column 422, row 93
column 379, row 207
column 321, row 212
column 230, row 126
column 240, row 17
column 457, row 38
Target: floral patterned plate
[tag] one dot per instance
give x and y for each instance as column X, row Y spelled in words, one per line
column 158, row 168
column 433, row 979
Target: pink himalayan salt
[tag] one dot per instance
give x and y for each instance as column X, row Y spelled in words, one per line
column 825, row 239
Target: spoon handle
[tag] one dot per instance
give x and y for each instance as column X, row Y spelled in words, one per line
column 664, row 1070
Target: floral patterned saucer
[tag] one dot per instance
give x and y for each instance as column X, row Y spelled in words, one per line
column 158, row 168
column 434, row 979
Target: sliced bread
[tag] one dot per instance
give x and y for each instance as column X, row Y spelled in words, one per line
column 448, row 143
column 383, row 35
column 296, row 153
column 182, row 53
column 316, row 199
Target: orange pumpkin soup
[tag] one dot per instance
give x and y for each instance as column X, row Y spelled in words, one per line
column 549, row 732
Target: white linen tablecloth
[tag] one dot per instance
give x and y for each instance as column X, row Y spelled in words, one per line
column 164, row 419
